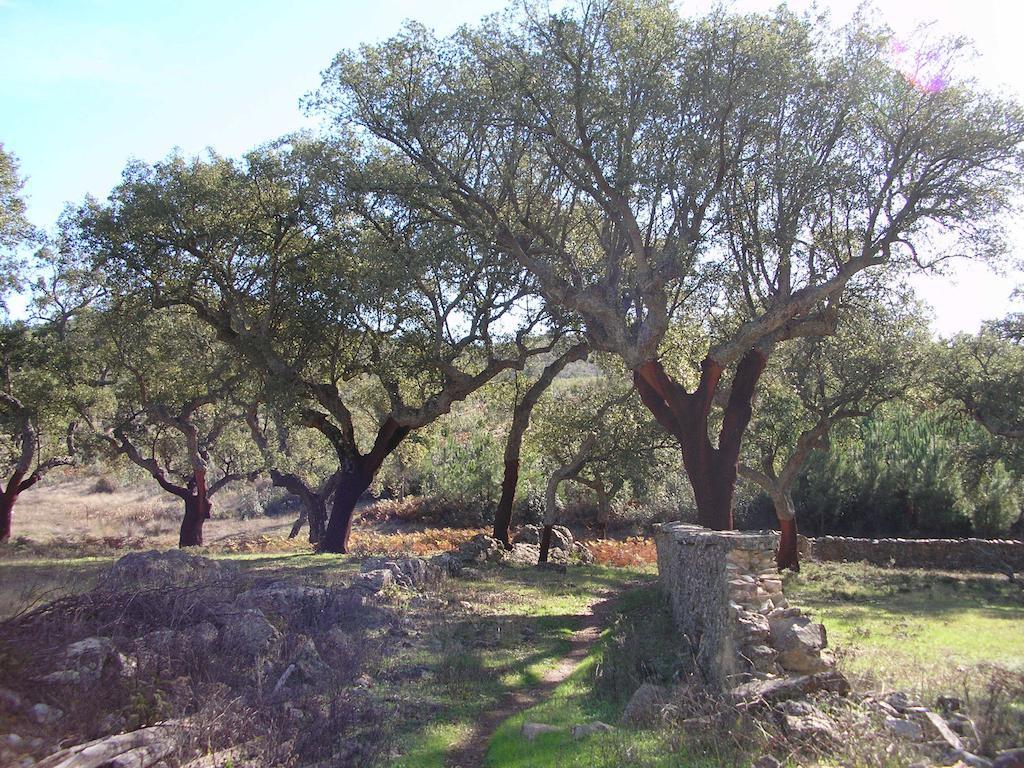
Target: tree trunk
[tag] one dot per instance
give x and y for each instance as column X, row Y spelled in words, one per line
column 545, row 543
column 514, row 444
column 712, row 471
column 503, row 514
column 197, row 512
column 313, row 511
column 6, row 514
column 355, row 479
column 299, row 522
column 604, row 509
column 317, row 519
column 788, row 555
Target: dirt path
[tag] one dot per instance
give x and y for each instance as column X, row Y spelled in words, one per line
column 470, row 754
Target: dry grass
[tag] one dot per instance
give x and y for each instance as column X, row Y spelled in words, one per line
column 634, row 552
column 73, row 511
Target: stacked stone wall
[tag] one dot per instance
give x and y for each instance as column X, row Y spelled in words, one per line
column 728, row 603
column 996, row 555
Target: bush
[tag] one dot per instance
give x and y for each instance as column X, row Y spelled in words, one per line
column 104, row 484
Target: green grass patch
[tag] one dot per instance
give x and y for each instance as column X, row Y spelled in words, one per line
column 519, row 625
column 639, row 644
column 903, row 627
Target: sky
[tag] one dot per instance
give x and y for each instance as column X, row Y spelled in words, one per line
column 89, row 84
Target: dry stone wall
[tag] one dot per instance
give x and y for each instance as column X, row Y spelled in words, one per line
column 996, row 555
column 728, row 602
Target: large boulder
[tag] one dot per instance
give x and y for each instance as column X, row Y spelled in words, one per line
column 284, row 598
column 409, row 572
column 561, row 537
column 774, row 690
column 481, row 549
column 89, row 662
column 645, row 705
column 799, row 642
column 372, row 582
column 164, row 646
column 247, row 632
column 140, row 570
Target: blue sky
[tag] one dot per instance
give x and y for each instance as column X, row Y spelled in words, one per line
column 88, row 84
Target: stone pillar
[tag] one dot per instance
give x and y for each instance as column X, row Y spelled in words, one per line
column 727, row 600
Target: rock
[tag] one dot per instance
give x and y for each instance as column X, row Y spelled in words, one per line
column 44, row 714
column 283, row 680
column 87, row 662
column 14, row 741
column 522, row 554
column 337, row 639
column 645, row 705
column 373, row 582
column 531, row 731
column 248, row 632
column 192, row 642
column 780, row 689
column 881, row 706
column 899, row 701
column 561, row 538
column 528, row 534
column 307, row 661
column 200, row 638
column 10, row 701
column 767, row 761
column 947, row 705
column 754, row 627
column 154, row 568
column 481, row 549
column 762, row 658
column 144, row 748
column 905, row 729
column 799, row 642
column 283, row 598
column 811, row 730
column 581, row 552
column 409, row 572
column 588, row 729
column 798, row 708
column 935, row 723
column 972, row 761
column 447, row 563
column 1009, row 758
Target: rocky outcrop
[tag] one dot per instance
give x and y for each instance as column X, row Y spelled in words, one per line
column 139, row 570
column 525, row 551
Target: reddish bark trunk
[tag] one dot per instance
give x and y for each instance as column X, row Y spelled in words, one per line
column 197, row 512
column 712, row 471
column 788, row 555
column 545, row 544
column 355, row 479
column 9, row 497
column 503, row 514
column 317, row 520
column 7, row 501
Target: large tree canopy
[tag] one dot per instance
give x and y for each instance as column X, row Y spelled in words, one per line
column 15, row 229
column 320, row 280
column 877, row 354
column 630, row 158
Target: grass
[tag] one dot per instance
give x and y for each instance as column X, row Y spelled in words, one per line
column 637, row 645
column 473, row 640
column 908, row 628
column 511, row 627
